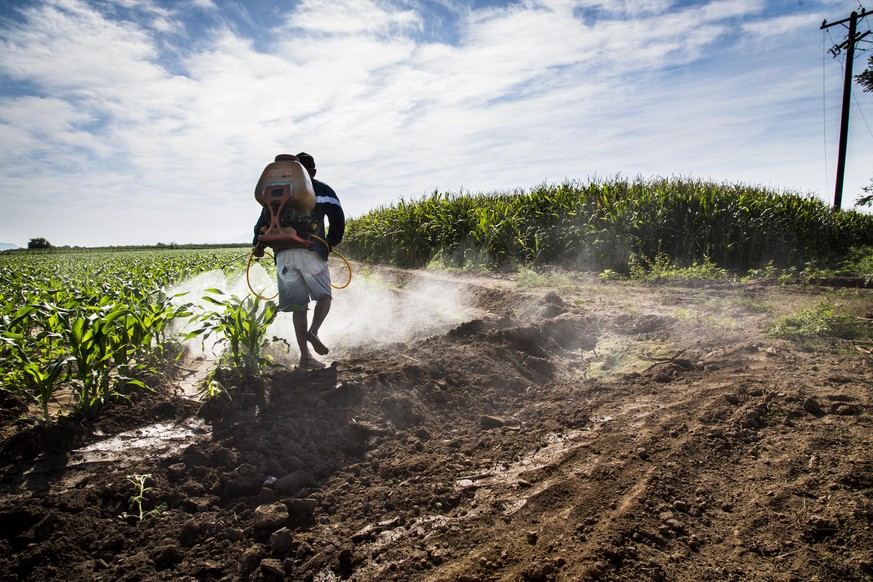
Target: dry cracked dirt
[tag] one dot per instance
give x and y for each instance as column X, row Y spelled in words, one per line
column 572, row 429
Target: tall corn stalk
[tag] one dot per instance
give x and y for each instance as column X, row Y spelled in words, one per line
column 606, row 223
column 240, row 325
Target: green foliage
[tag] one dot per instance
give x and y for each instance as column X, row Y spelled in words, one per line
column 860, row 262
column 867, row 199
column 865, row 78
column 823, row 320
column 44, row 378
column 771, row 271
column 857, row 263
column 599, row 226
column 610, row 275
column 664, row 268
column 526, row 277
column 241, row 326
column 214, row 389
column 530, row 278
column 38, row 243
column 138, row 499
column 94, row 321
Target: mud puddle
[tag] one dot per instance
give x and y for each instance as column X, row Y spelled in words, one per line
column 616, row 357
column 151, row 442
column 119, row 453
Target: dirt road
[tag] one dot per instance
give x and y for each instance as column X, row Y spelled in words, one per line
column 571, row 429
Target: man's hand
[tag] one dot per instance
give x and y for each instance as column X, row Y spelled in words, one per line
column 258, row 251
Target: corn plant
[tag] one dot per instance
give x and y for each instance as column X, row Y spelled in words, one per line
column 137, row 500
column 45, row 379
column 91, row 341
column 141, row 336
column 601, row 225
column 241, row 326
column 31, row 358
column 98, row 320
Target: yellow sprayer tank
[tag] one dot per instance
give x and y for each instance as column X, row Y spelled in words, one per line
column 284, row 182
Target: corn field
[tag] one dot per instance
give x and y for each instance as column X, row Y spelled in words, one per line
column 96, row 322
column 608, row 224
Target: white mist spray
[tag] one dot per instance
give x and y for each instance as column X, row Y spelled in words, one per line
column 194, row 291
column 368, row 313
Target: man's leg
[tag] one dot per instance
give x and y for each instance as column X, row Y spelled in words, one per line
column 294, row 297
column 322, row 307
column 302, row 335
column 299, row 319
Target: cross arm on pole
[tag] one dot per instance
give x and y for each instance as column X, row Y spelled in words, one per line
column 862, row 14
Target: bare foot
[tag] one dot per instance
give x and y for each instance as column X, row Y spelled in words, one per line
column 319, row 347
column 311, row 364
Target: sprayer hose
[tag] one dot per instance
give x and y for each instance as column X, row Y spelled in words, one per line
column 248, row 278
column 330, row 250
column 327, row 246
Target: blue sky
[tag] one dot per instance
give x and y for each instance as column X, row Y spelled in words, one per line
column 145, row 121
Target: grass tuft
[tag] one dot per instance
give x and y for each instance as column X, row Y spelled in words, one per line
column 824, row 320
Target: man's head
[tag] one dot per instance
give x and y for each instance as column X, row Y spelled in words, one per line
column 308, row 162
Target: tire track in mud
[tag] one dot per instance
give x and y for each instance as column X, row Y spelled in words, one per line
column 589, row 487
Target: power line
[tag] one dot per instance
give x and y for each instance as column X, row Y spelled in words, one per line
column 861, row 113
column 824, row 116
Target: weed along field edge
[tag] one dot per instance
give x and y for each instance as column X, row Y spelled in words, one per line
column 472, row 426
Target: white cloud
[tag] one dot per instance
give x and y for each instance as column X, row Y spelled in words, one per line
column 338, row 17
column 510, row 96
column 775, row 28
column 68, row 47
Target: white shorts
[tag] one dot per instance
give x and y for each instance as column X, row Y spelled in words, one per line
column 302, row 275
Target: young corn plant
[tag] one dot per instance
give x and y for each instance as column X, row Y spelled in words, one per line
column 151, row 328
column 137, row 511
column 45, row 379
column 90, row 340
column 240, row 325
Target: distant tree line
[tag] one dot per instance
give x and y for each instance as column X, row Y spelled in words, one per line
column 41, row 244
column 38, row 243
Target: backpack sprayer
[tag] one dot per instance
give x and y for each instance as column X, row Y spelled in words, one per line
column 286, row 191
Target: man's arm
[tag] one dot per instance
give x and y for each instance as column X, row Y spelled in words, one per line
column 336, row 218
column 328, row 204
column 263, row 220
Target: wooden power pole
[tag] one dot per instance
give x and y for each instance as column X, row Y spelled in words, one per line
column 849, row 46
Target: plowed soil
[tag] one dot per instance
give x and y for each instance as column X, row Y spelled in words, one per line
column 569, row 430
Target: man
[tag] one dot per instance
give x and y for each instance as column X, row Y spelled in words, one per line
column 301, row 271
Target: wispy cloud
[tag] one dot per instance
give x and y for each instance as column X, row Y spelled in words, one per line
column 174, row 107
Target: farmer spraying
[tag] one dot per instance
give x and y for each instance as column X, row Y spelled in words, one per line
column 292, row 223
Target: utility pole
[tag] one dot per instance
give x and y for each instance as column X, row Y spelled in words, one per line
column 849, row 46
